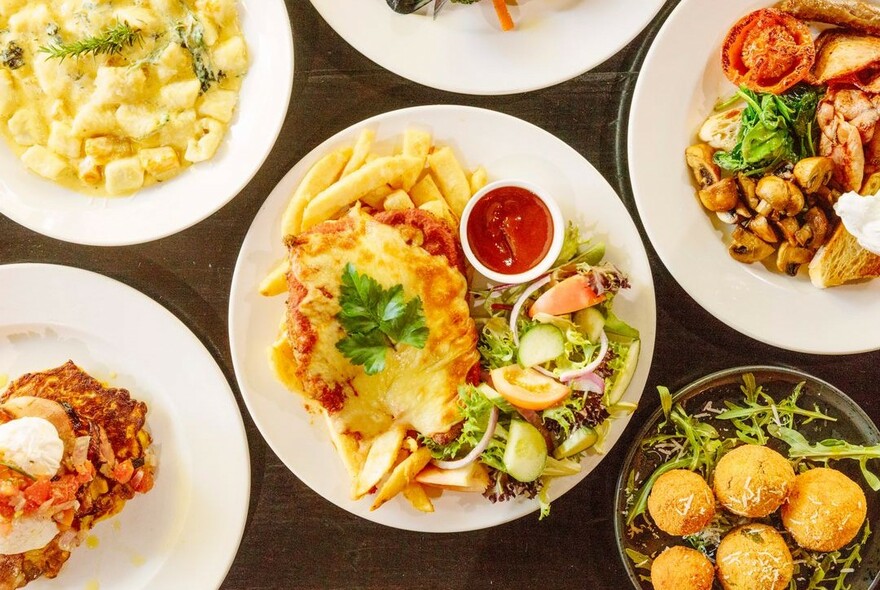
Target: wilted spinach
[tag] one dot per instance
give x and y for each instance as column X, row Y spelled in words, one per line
column 775, row 129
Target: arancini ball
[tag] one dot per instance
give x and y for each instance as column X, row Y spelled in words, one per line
column 753, row 480
column 754, row 557
column 824, row 510
column 681, row 503
column 678, row 568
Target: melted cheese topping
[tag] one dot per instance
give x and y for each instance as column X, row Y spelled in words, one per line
column 418, row 389
column 112, row 124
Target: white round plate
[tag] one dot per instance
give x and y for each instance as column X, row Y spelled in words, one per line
column 185, row 532
column 169, row 207
column 464, row 49
column 680, row 82
column 507, row 147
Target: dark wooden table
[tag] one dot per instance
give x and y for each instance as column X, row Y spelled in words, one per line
column 295, row 538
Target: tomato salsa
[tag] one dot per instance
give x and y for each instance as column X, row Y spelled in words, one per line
column 510, row 230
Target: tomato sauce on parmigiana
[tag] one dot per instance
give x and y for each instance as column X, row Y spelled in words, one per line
column 510, row 230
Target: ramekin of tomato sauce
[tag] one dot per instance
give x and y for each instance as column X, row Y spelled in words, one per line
column 512, row 231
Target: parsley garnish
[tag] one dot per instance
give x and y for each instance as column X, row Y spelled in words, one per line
column 376, row 319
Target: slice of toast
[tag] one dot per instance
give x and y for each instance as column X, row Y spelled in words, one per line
column 842, row 260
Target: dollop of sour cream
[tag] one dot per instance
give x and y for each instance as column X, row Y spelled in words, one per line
column 861, row 217
column 31, row 444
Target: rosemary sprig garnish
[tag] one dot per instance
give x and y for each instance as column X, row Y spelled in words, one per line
column 111, row 41
column 17, row 469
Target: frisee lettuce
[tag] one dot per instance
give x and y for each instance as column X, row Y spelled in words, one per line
column 475, row 409
column 496, row 345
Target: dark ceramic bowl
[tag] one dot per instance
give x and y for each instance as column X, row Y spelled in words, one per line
column 852, row 425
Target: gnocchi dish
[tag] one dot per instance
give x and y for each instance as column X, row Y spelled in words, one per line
column 107, row 97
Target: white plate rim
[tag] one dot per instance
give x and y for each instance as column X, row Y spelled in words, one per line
column 461, row 81
column 741, row 278
column 418, row 115
column 96, row 292
column 97, row 221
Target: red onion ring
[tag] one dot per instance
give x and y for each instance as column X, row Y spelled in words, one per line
column 517, row 307
column 577, row 374
column 477, row 450
column 590, row 382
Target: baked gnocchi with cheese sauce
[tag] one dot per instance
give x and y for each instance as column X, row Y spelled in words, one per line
column 107, row 97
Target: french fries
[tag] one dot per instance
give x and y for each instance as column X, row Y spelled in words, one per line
column 376, row 197
column 425, row 176
column 379, row 461
column 361, row 152
column 403, row 474
column 440, row 209
column 349, row 189
column 323, row 174
column 478, row 180
column 425, row 190
column 470, row 478
column 418, row 497
column 417, row 144
column 450, row 178
column 398, row 200
column 275, row 283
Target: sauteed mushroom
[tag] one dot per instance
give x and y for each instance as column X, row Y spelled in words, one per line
column 803, row 235
column 789, row 227
column 743, row 210
column 784, row 196
column 747, row 247
column 813, row 173
column 747, row 186
column 699, row 158
column 790, row 258
column 817, row 221
column 721, row 196
column 762, row 228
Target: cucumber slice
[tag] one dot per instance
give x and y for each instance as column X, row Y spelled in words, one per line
column 594, row 254
column 526, row 452
column 580, row 440
column 590, row 321
column 496, row 398
column 614, row 325
column 540, row 344
column 613, row 395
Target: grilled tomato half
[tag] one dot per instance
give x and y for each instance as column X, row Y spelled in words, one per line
column 768, row 51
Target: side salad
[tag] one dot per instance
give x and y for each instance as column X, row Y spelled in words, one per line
column 555, row 363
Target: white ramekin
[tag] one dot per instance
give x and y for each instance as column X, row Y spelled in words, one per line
column 557, row 221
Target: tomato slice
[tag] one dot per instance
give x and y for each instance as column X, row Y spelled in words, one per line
column 572, row 294
column 123, row 471
column 768, row 51
column 528, row 389
column 142, row 481
column 37, row 493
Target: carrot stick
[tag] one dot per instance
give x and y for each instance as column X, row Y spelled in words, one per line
column 503, row 15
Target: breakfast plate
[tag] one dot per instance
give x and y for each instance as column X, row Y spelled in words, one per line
column 464, row 50
column 185, row 532
column 506, row 147
column 169, row 207
column 703, row 400
column 681, row 81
